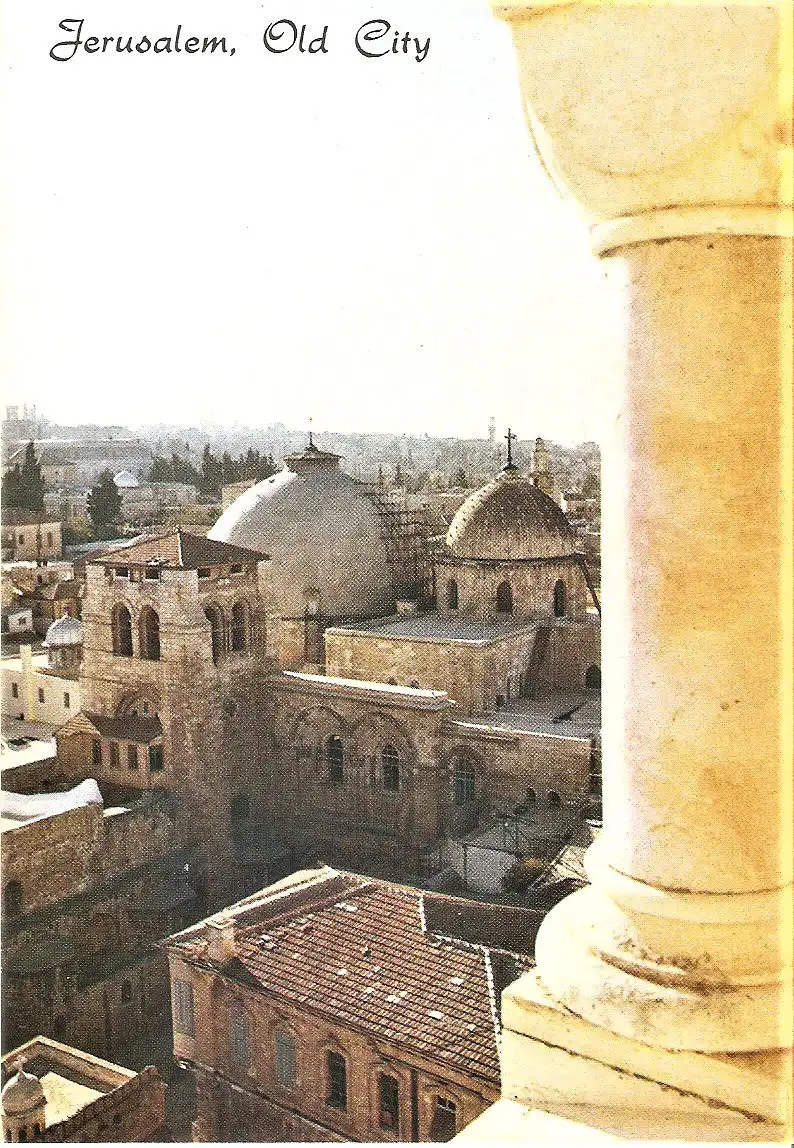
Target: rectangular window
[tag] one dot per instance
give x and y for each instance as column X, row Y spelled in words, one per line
column 286, row 1059
column 389, row 1102
column 96, row 750
column 204, row 572
column 152, row 572
column 49, row 538
column 132, row 757
column 155, row 758
column 67, row 701
column 184, row 1010
column 14, row 690
column 337, row 1081
column 115, row 757
column 41, row 695
column 122, row 571
column 445, row 1119
column 240, row 1040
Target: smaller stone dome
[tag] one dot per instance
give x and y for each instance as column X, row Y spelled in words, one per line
column 510, row 518
column 65, row 631
column 22, row 1094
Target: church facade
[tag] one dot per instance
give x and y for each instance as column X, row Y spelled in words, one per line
column 275, row 677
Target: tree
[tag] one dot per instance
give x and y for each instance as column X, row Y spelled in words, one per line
column 12, row 487
column 591, row 484
column 31, row 482
column 104, row 502
column 459, row 478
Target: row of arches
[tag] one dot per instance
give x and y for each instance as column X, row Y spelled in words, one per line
column 504, row 597
column 229, row 633
column 148, row 633
column 389, row 774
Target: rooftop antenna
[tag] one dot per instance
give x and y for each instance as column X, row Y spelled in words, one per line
column 311, row 439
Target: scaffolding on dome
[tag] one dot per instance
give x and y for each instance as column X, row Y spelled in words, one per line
column 406, row 537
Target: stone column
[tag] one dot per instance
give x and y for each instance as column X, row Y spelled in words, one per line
column 669, row 125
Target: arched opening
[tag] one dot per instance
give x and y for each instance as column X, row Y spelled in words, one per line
column 464, row 785
column 592, row 679
column 149, row 629
column 390, row 768
column 126, row 992
column 531, row 797
column 559, row 599
column 215, row 619
column 335, row 760
column 12, row 899
column 452, row 594
column 121, row 626
column 555, row 801
column 239, row 626
column 504, row 598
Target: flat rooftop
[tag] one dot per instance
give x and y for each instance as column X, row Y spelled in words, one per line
column 24, row 742
column 71, row 1079
column 435, row 627
column 576, row 714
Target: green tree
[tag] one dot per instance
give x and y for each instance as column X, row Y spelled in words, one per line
column 104, row 502
column 32, row 483
column 12, row 487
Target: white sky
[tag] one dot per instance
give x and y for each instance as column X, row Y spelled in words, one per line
column 262, row 238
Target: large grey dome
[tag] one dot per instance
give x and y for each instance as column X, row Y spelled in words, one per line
column 323, row 535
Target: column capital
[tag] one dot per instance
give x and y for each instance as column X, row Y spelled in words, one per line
column 687, row 133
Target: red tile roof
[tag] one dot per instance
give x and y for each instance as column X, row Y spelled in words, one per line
column 178, row 549
column 357, row 950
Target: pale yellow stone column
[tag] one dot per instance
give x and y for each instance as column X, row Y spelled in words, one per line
column 669, row 125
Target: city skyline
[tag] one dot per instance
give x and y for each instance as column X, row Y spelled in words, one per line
column 231, row 264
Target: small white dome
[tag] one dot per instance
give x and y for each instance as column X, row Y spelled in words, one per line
column 125, row 480
column 22, row 1094
column 65, row 631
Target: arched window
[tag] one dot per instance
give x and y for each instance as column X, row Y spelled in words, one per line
column 531, row 798
column 555, row 801
column 149, row 628
column 463, row 782
column 559, row 599
column 12, row 898
column 126, row 992
column 121, row 626
column 286, row 1058
column 215, row 619
column 335, row 760
column 239, row 626
column 390, row 767
column 504, row 598
column 592, row 679
column 452, row 594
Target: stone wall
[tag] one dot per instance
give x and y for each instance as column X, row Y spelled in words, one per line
column 249, row 1103
column 532, row 583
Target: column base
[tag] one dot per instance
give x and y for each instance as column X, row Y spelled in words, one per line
column 557, row 1064
column 664, row 970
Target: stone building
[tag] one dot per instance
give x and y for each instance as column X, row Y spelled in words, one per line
column 28, row 537
column 45, row 687
column 90, row 882
column 56, row 1094
column 292, row 704
column 333, row 1007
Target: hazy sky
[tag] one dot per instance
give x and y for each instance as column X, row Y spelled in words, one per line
column 265, row 237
